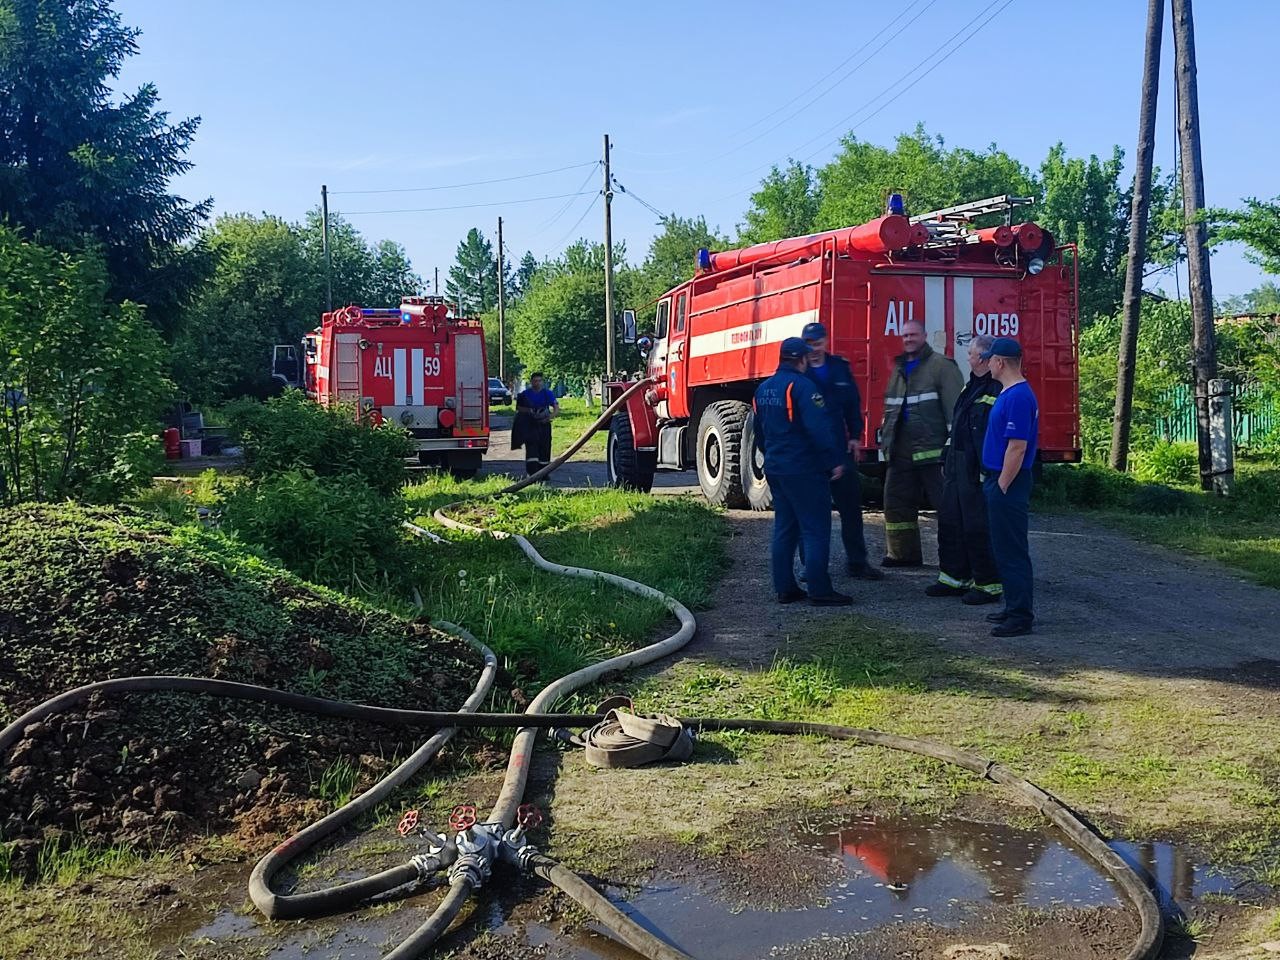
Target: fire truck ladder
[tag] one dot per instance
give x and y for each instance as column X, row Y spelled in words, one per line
column 947, row 226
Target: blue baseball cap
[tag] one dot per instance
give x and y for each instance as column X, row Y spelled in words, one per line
column 1002, row 347
column 813, row 331
column 793, row 348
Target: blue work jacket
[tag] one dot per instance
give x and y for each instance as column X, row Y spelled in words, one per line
column 792, row 427
column 842, row 399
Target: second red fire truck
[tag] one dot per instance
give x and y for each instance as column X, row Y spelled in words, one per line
column 414, row 365
column 716, row 337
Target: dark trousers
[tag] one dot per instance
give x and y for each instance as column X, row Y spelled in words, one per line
column 907, row 487
column 964, row 543
column 846, row 497
column 801, row 512
column 537, row 448
column 1008, row 516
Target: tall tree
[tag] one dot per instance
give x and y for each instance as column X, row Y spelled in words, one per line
column 1083, row 204
column 557, row 325
column 473, row 279
column 672, row 254
column 77, row 164
column 524, row 274
column 786, row 205
column 263, row 291
column 919, row 166
column 1257, row 226
column 369, row 276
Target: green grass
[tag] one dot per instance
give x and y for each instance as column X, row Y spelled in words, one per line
column 1106, row 744
column 337, row 783
column 1242, row 531
column 545, row 626
column 575, row 417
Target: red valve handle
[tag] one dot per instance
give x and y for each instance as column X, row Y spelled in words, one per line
column 463, row 817
column 408, row 823
column 529, row 816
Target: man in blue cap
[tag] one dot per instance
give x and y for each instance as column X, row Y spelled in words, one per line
column 801, row 458
column 834, row 377
column 1008, row 454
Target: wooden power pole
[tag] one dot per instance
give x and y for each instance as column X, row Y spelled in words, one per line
column 324, row 242
column 1204, row 341
column 502, row 312
column 608, row 263
column 1137, row 238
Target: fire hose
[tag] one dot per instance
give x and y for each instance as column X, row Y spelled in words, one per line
column 469, row 855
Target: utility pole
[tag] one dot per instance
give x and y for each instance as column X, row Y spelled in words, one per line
column 1204, row 341
column 502, row 312
column 435, row 287
column 1137, row 238
column 324, row 242
column 608, row 263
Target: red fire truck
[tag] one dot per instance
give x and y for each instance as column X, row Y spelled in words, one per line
column 716, row 337
column 412, row 365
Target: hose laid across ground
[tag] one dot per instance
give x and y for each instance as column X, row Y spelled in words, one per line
column 1145, row 947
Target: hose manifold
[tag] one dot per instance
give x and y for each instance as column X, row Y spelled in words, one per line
column 427, row 865
column 475, row 868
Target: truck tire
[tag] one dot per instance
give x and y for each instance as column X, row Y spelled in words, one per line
column 629, row 468
column 754, row 485
column 465, row 466
column 719, row 453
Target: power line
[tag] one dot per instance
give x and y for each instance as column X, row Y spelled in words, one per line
column 930, row 56
column 462, row 206
column 934, row 66
column 640, row 200
column 856, row 67
column 546, row 225
column 568, row 233
column 473, row 183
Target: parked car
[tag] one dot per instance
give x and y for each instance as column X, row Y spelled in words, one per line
column 499, row 395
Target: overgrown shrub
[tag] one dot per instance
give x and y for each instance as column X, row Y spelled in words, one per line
column 338, row 531
column 1257, row 492
column 290, row 433
column 1084, row 485
column 1159, row 499
column 1168, row 463
column 82, row 380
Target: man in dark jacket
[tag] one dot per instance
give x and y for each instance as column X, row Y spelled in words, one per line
column 922, row 391
column 801, row 458
column 834, row 378
column 536, row 406
column 966, row 566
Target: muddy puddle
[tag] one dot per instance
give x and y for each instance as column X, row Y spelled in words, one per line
column 826, row 881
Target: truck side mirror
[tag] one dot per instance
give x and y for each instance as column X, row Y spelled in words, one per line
column 628, row 326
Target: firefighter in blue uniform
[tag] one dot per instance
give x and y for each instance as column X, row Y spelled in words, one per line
column 834, row 377
column 801, row 458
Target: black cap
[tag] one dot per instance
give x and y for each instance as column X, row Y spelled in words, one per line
column 1002, row 347
column 793, row 348
column 813, row 331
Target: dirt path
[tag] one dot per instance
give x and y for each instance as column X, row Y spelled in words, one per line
column 1104, row 599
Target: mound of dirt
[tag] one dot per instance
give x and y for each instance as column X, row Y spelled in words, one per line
column 91, row 594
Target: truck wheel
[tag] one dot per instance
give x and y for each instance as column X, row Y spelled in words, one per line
column 629, row 468
column 754, row 485
column 464, row 466
column 719, row 453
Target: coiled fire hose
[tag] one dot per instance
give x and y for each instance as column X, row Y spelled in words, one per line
column 1146, row 945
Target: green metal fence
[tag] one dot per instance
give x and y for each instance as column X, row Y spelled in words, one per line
column 1255, row 412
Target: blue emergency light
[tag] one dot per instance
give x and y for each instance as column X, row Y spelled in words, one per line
column 896, row 205
column 704, row 258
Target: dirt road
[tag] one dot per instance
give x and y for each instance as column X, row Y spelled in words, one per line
column 1104, row 599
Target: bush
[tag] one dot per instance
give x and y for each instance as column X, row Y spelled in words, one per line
column 1168, row 463
column 1257, row 492
column 1159, row 499
column 1084, row 485
column 290, row 433
column 82, row 380
column 338, row 531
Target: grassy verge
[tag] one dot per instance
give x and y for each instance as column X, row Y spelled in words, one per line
column 546, row 626
column 1108, row 744
column 1242, row 530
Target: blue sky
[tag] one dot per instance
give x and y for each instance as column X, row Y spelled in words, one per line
column 699, row 100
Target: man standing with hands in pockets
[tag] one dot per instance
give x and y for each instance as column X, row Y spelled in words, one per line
column 1008, row 453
